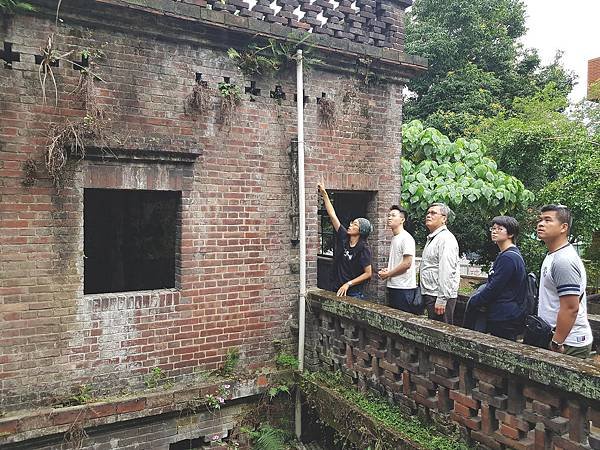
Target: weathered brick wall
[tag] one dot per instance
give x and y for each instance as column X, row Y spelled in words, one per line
column 235, row 284
column 500, row 394
column 153, row 419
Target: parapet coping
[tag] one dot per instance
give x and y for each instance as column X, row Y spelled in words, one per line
column 250, row 25
column 21, row 426
column 581, row 377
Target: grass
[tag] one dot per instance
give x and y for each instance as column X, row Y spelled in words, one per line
column 378, row 407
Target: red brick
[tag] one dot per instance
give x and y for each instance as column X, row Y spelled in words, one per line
column 512, row 433
column 464, row 399
column 130, row 405
column 8, row 426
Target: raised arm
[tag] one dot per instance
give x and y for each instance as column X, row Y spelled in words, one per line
column 332, row 215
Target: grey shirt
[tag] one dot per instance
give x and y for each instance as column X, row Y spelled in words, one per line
column 439, row 274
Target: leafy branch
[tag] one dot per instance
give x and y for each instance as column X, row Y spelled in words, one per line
column 12, row 6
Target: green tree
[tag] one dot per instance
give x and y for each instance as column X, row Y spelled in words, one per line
column 476, row 64
column 536, row 141
column 557, row 155
column 461, row 174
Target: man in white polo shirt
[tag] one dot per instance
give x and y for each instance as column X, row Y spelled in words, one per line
column 400, row 274
column 563, row 280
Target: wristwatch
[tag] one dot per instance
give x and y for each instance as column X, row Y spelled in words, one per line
column 349, row 283
column 556, row 345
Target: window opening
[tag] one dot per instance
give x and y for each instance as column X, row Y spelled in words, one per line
column 130, row 239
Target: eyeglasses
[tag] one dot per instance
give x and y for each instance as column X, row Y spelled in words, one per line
column 434, row 213
column 497, row 229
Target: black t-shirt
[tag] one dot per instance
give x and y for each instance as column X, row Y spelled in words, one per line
column 350, row 262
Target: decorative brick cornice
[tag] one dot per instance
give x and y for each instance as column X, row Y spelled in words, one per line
column 374, row 30
column 371, row 22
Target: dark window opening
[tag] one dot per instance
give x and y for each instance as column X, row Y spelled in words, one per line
column 130, row 240
column 189, row 444
column 348, row 206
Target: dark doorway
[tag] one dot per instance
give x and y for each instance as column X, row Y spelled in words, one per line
column 130, row 239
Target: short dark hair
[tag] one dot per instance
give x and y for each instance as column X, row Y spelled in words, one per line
column 509, row 223
column 563, row 213
column 400, row 210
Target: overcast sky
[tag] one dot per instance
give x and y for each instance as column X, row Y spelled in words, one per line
column 572, row 26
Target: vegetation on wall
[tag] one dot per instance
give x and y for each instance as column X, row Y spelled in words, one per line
column 231, row 97
column 383, row 412
column 197, row 100
column 274, row 55
column 327, row 114
column 69, row 139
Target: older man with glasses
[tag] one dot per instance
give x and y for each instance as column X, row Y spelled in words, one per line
column 439, row 272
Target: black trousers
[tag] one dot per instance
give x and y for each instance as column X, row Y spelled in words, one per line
column 448, row 316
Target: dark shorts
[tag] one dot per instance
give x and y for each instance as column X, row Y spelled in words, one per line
column 402, row 299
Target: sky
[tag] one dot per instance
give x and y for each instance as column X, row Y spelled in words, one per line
column 572, row 26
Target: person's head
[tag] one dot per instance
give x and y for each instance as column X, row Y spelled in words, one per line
column 361, row 227
column 396, row 217
column 554, row 223
column 437, row 215
column 504, row 228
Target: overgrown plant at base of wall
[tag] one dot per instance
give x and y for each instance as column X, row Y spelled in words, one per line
column 367, row 419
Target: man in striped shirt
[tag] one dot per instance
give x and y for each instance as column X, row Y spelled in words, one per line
column 562, row 299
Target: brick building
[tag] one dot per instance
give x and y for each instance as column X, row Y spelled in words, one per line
column 170, row 240
column 593, row 79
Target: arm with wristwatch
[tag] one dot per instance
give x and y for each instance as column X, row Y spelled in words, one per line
column 567, row 313
column 360, row 279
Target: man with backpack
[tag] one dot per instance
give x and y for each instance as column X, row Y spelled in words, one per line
column 562, row 298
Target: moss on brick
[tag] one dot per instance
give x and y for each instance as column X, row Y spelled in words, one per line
column 576, row 376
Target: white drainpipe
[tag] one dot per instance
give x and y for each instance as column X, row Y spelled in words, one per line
column 302, row 226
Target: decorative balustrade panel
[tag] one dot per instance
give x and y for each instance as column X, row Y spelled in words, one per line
column 495, row 407
column 371, row 22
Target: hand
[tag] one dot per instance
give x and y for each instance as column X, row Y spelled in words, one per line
column 321, row 187
column 440, row 310
column 556, row 347
column 383, row 274
column 343, row 290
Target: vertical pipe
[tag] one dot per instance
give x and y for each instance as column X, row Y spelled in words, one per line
column 302, row 226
